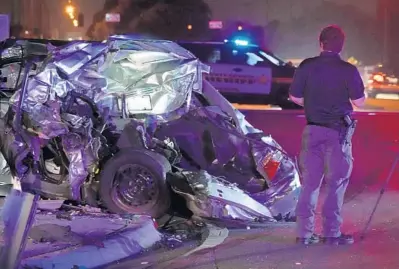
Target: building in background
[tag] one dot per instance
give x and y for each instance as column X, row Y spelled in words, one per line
column 10, row 8
column 4, row 26
column 34, row 18
column 47, row 18
column 29, row 18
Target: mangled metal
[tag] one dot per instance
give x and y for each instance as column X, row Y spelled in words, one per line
column 217, row 198
column 91, row 108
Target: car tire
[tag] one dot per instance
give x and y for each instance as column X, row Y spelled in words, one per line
column 152, row 197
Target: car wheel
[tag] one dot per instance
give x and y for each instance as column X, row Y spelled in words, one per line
column 134, row 182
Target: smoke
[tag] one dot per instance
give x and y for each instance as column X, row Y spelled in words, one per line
column 167, row 19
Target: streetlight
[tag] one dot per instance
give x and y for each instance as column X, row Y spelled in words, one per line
column 69, row 9
column 189, row 27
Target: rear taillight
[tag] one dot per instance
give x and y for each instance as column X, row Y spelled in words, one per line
column 271, row 163
column 156, row 225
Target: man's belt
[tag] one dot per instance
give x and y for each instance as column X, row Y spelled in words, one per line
column 336, row 126
column 346, row 127
column 319, row 124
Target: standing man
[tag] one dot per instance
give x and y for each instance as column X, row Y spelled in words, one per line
column 326, row 86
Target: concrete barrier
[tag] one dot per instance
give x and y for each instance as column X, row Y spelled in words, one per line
column 375, row 143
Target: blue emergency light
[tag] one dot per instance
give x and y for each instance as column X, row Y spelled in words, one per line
column 240, row 42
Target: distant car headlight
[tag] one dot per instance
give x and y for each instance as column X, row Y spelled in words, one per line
column 378, row 78
column 392, row 80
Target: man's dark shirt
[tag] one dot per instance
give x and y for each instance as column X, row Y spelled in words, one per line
column 327, row 83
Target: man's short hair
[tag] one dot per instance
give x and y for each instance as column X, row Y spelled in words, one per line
column 332, row 38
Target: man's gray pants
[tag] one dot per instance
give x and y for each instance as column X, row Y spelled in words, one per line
column 322, row 153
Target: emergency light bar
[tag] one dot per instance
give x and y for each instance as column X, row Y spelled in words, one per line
column 240, row 42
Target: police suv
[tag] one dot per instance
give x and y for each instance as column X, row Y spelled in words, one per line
column 245, row 73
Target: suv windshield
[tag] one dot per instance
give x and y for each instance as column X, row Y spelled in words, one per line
column 251, row 56
column 272, row 58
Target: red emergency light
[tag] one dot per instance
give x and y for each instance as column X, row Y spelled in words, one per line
column 215, row 25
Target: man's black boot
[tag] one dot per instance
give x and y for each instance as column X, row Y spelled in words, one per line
column 343, row 239
column 314, row 239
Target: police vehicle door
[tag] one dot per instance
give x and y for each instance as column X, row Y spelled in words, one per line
column 238, row 71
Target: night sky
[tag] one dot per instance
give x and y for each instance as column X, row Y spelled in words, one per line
column 257, row 11
column 260, row 11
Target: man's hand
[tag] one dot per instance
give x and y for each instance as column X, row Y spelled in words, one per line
column 296, row 100
column 356, row 88
column 359, row 103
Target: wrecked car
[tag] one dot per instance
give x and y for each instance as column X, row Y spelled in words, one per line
column 131, row 126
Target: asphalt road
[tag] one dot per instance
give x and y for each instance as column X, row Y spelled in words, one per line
column 274, row 248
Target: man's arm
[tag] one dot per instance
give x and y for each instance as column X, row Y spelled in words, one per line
column 296, row 100
column 356, row 88
column 359, row 102
column 298, row 85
